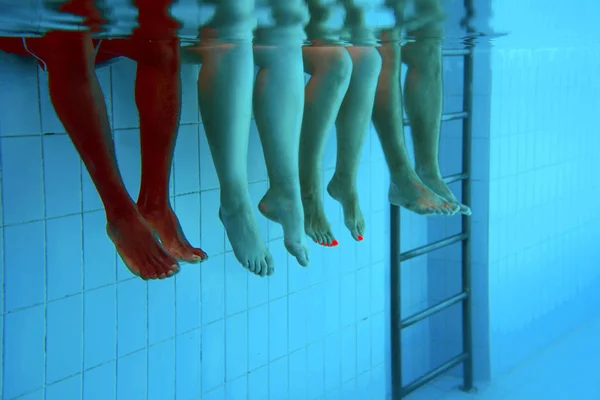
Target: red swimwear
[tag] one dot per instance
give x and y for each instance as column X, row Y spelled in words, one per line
column 155, row 23
column 18, row 46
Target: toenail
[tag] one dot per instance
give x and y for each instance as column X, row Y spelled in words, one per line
column 360, row 238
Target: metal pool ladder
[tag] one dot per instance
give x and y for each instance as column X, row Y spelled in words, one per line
column 398, row 324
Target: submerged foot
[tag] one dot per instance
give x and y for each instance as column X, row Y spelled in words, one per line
column 134, row 240
column 243, row 234
column 408, row 191
column 166, row 225
column 346, row 194
column 316, row 225
column 436, row 183
column 285, row 208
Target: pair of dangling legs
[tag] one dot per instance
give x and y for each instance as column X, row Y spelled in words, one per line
column 77, row 98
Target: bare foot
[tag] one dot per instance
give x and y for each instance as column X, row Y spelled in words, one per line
column 285, row 208
column 316, row 225
column 243, row 233
column 166, row 225
column 436, row 183
column 346, row 194
column 408, row 191
column 143, row 255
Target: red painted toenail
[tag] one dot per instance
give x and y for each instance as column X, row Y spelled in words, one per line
column 335, row 243
column 360, row 238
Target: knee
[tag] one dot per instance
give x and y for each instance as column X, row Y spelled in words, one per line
column 424, row 55
column 338, row 64
column 161, row 53
column 367, row 62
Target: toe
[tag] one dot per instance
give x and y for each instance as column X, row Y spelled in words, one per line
column 311, row 234
column 300, row 252
column 454, row 208
column 354, row 232
column 320, row 239
column 173, row 269
column 161, row 264
column 329, row 239
column 259, row 268
column 256, row 267
column 305, row 257
column 302, row 258
column 264, row 268
column 249, row 265
column 465, row 210
column 199, row 255
column 425, row 211
column 151, row 272
column 362, row 227
column 270, row 264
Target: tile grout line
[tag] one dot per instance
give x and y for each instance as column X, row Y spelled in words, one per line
column 44, row 213
column 198, row 153
column 116, row 256
column 82, row 284
column 2, row 291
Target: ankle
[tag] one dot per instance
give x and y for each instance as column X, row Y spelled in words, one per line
column 343, row 179
column 231, row 203
column 118, row 212
column 428, row 171
column 285, row 183
column 153, row 204
column 310, row 187
column 312, row 196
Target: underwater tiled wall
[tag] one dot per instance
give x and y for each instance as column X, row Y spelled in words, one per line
column 77, row 323
column 535, row 141
column 544, row 275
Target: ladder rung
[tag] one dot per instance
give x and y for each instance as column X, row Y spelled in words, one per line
column 420, row 316
column 433, row 374
column 456, row 177
column 407, row 255
column 455, row 115
column 456, row 52
column 446, row 117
